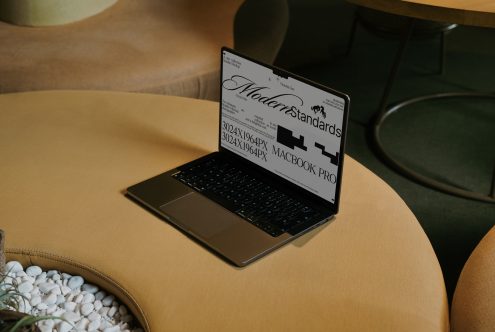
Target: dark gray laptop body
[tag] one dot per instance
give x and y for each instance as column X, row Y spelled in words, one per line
column 260, row 130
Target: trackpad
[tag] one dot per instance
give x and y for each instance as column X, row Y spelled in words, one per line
column 200, row 215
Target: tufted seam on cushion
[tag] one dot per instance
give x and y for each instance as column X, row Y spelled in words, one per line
column 181, row 87
column 98, row 274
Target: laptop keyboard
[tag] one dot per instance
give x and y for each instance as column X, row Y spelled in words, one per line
column 250, row 197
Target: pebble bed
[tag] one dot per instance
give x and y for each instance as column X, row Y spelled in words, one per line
column 83, row 306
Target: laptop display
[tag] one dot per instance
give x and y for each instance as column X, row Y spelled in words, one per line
column 277, row 172
column 285, row 125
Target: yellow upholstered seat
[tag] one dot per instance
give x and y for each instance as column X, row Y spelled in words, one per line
column 473, row 305
column 166, row 47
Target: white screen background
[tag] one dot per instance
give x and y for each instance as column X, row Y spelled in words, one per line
column 249, row 127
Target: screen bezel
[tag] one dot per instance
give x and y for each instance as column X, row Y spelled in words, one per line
column 333, row 207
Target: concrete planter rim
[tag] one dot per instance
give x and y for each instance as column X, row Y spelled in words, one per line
column 38, row 13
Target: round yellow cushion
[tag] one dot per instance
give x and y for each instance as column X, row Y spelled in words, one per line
column 473, row 305
column 69, row 158
column 156, row 46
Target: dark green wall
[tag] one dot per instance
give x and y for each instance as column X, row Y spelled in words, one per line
column 318, row 30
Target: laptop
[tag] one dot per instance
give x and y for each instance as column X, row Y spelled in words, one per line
column 277, row 172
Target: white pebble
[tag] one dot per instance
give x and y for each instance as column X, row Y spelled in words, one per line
column 107, row 301
column 98, row 305
column 59, row 312
column 56, row 291
column 42, row 306
column 39, row 281
column 66, row 276
column 25, row 287
column 111, row 329
column 79, row 298
column 28, row 279
column 46, row 287
column 35, row 300
column 34, row 271
column 94, row 316
column 56, row 277
column 88, row 298
column 82, row 324
column 50, row 299
column 100, row 295
column 60, row 299
column 51, row 309
column 35, row 291
column 63, row 327
column 20, row 274
column 93, row 325
column 75, row 282
column 50, row 273
column 112, row 311
column 87, row 308
column 24, row 306
column 65, row 290
column 48, row 323
column 44, row 328
column 104, row 324
column 41, row 276
column 122, row 309
column 103, row 311
column 71, row 316
column 90, row 288
column 69, row 306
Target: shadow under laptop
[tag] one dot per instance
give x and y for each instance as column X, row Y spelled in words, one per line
column 305, row 238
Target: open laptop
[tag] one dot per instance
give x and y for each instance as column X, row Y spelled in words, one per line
column 277, row 172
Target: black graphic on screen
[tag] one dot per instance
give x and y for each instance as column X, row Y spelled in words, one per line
column 334, row 159
column 285, row 137
column 319, row 109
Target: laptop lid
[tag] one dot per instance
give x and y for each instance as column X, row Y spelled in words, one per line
column 284, row 125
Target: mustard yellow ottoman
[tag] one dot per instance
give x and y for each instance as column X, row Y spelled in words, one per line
column 473, row 305
column 156, row 46
column 71, row 154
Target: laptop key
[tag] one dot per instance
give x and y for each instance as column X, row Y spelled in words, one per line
column 246, row 195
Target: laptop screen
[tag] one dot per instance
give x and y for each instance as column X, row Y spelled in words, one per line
column 287, row 125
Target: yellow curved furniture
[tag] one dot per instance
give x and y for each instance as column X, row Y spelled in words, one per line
column 68, row 156
column 473, row 304
column 155, row 46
